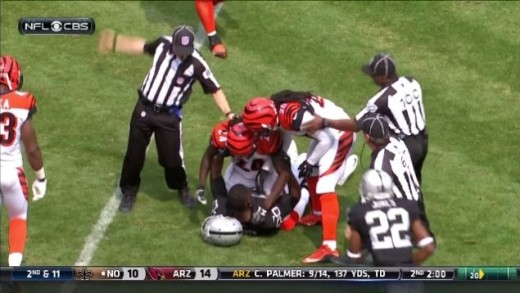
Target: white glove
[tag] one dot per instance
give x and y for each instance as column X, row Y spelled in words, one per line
column 39, row 188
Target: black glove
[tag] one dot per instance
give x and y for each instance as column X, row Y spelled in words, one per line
column 305, row 170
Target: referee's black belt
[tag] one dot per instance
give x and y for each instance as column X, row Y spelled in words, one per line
column 423, row 133
column 158, row 108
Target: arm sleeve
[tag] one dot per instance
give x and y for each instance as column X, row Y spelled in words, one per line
column 151, row 46
column 32, row 107
column 206, row 78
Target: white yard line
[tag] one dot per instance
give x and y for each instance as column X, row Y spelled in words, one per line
column 110, row 210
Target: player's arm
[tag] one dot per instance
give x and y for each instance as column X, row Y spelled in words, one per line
column 34, row 156
column 205, row 165
column 283, row 169
column 424, row 241
column 217, row 184
column 355, row 246
column 325, row 140
column 319, row 122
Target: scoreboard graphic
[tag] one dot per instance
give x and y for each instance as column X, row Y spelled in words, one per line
column 60, row 274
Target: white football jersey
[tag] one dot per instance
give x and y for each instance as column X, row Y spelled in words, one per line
column 249, row 167
column 15, row 108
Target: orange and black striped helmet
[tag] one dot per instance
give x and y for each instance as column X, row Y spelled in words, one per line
column 260, row 115
column 240, row 141
column 10, row 73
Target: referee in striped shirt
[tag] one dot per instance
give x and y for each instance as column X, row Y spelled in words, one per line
column 167, row 86
column 399, row 101
column 390, row 154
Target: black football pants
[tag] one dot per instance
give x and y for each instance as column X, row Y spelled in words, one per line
column 167, row 128
column 418, row 147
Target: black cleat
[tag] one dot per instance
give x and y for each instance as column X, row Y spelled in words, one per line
column 186, row 199
column 127, row 203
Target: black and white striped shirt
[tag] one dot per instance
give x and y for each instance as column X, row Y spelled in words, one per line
column 395, row 159
column 402, row 105
column 170, row 80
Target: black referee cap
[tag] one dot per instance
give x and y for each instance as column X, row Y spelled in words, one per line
column 183, row 40
column 380, row 64
column 375, row 126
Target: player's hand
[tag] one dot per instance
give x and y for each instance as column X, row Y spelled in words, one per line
column 313, row 125
column 258, row 216
column 231, row 116
column 39, row 188
column 201, row 195
column 305, row 169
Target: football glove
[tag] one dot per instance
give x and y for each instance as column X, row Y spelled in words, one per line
column 201, row 195
column 39, row 188
column 305, row 170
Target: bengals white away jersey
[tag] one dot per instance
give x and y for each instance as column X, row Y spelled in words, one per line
column 15, row 108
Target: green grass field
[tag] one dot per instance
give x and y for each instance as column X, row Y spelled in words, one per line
column 465, row 54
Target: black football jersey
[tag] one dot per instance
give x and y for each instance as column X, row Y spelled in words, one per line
column 267, row 223
column 385, row 229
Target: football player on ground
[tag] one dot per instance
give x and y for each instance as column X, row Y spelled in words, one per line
column 387, row 226
column 243, row 170
column 16, row 128
column 326, row 164
column 249, row 205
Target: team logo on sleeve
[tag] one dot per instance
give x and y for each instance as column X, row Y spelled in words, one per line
column 372, row 108
column 207, row 74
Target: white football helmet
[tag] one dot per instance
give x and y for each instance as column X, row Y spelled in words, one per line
column 221, row 230
column 375, row 185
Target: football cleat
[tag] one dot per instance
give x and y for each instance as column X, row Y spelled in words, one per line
column 217, row 48
column 310, row 220
column 323, row 253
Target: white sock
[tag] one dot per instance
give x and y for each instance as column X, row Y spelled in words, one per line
column 15, row 259
column 211, row 34
column 304, row 199
column 330, row 243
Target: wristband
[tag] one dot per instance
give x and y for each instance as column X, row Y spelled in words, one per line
column 40, row 174
column 227, row 114
column 325, row 123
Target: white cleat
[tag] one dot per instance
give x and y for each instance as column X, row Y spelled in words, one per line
column 350, row 166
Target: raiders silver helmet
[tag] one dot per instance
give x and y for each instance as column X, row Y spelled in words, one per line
column 221, row 230
column 375, row 185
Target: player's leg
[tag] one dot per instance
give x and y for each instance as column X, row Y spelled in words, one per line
column 15, row 193
column 332, row 168
column 138, row 140
column 314, row 217
column 206, row 12
column 168, row 138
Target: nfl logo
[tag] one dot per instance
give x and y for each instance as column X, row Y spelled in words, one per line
column 185, row 40
column 180, row 80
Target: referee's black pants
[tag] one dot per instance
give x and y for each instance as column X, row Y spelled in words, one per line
column 167, row 127
column 418, row 147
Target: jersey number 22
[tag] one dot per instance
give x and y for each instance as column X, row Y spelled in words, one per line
column 392, row 229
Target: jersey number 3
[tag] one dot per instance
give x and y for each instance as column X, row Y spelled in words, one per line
column 8, row 123
column 392, row 228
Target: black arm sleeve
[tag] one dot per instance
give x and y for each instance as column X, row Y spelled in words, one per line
column 150, row 47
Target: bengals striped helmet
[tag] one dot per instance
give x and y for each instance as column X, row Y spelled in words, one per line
column 289, row 115
column 260, row 115
column 240, row 141
column 10, row 73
